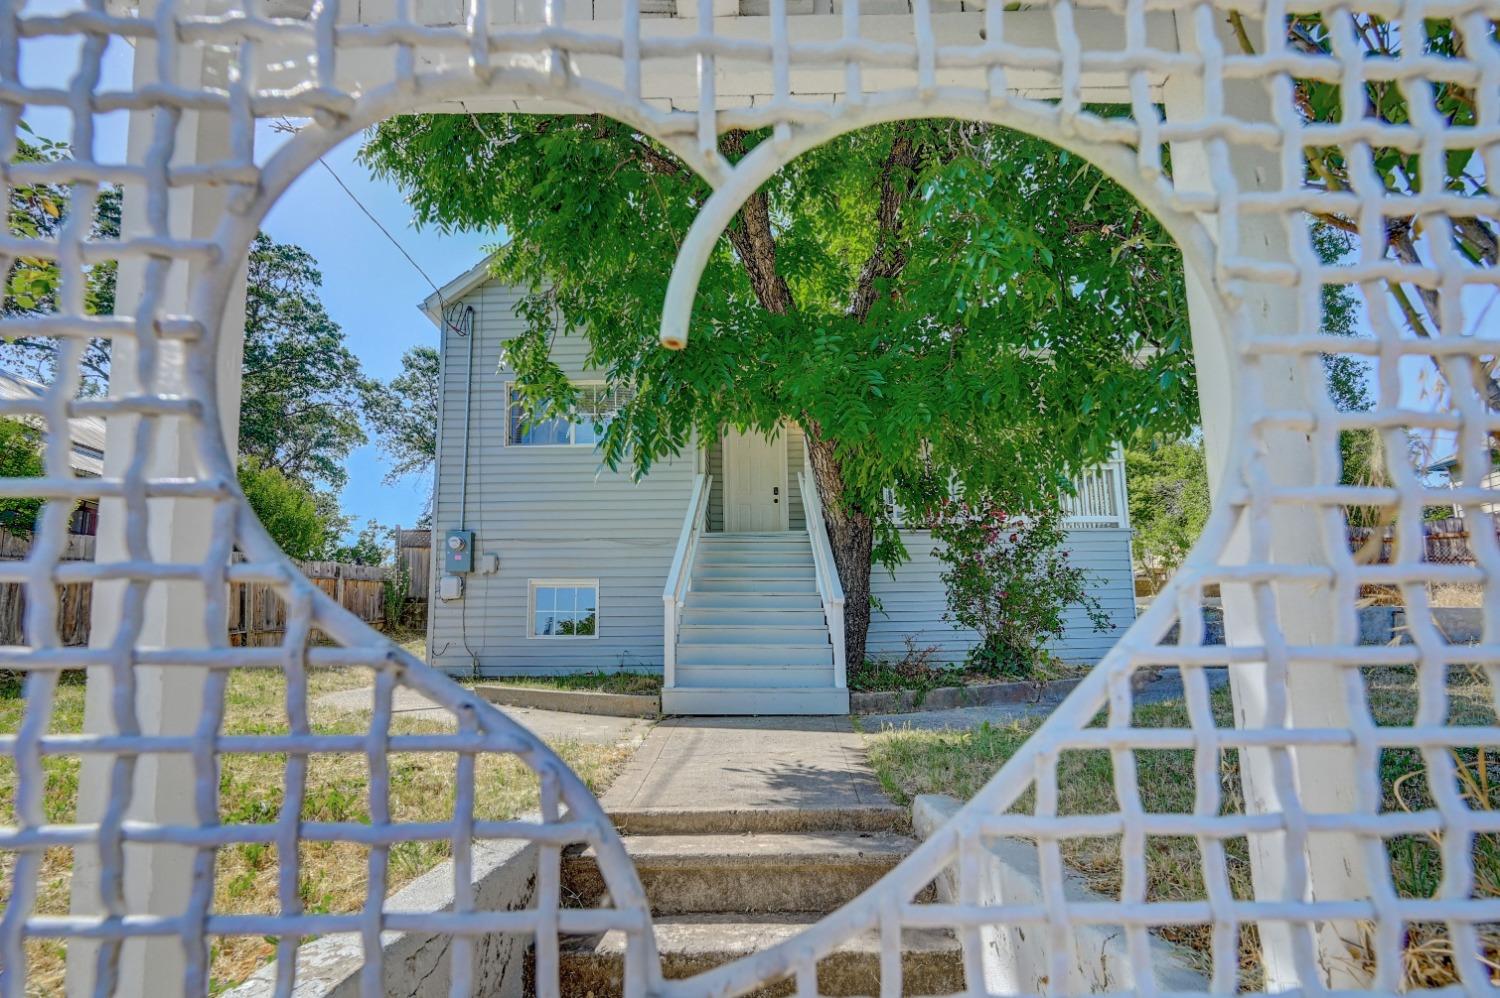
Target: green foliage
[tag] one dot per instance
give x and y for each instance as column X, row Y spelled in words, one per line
column 303, row 388
column 286, row 507
column 1009, row 577
column 404, row 414
column 368, row 548
column 1035, row 312
column 20, row 457
column 1167, row 481
column 932, row 301
column 38, row 211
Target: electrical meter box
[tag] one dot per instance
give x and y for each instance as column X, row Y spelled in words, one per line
column 458, row 552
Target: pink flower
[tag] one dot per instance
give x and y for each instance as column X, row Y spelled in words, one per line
column 1013, row 538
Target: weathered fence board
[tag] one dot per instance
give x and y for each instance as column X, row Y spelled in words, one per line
column 256, row 614
column 414, row 552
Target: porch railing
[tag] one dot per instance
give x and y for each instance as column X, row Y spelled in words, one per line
column 679, row 576
column 1099, row 500
column 830, row 589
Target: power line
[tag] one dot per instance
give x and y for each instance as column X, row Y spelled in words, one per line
column 383, row 230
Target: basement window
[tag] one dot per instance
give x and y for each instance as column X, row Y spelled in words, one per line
column 564, row 608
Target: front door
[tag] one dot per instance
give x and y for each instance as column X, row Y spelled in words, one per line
column 754, row 482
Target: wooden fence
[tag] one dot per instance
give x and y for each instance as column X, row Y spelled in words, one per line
column 256, row 614
column 414, row 551
column 1446, row 542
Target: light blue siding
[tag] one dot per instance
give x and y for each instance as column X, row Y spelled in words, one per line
column 548, row 512
column 912, row 603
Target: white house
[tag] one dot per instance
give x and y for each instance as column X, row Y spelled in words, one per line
column 713, row 568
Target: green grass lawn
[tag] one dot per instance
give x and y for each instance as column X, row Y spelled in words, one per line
column 594, row 682
column 332, row 875
column 910, row 762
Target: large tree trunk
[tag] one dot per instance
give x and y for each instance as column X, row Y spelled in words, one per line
column 851, row 534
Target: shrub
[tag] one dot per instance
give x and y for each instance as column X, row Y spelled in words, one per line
column 286, row 508
column 1009, row 578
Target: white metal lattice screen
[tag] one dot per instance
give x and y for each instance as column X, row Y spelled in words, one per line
column 1223, row 89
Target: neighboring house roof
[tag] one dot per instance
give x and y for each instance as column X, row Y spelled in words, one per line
column 432, row 305
column 85, row 432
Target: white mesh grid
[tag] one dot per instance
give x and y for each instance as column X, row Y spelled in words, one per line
column 1237, row 201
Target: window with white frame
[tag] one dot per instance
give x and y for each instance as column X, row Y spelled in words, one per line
column 583, row 427
column 564, row 608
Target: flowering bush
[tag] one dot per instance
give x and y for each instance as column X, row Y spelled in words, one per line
column 1009, row 578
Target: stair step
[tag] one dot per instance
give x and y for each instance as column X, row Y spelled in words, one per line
column 750, row 701
column 752, row 616
column 765, row 587
column 931, row 959
column 699, row 599
column 751, row 653
column 801, row 872
column 801, row 558
column 768, row 573
column 800, row 677
column 770, row 632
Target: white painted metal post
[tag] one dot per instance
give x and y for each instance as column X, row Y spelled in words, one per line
column 169, row 701
column 1309, row 614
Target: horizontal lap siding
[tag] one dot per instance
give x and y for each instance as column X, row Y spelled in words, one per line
column 914, row 600
column 548, row 512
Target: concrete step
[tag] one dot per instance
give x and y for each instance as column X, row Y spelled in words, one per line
column 751, row 701
column 769, row 632
column 799, row 677
column 751, row 653
column 752, row 616
column 807, row 586
column 699, row 599
column 801, row 872
column 768, row 573
column 879, row 817
column 931, row 959
column 753, row 537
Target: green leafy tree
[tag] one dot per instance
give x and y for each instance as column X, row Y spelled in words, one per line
column 1167, row 481
column 38, row 211
column 404, row 414
column 1461, row 172
column 304, row 389
column 929, row 300
column 20, row 457
column 369, row 547
column 286, row 507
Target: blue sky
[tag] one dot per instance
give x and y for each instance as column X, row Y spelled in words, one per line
column 370, row 289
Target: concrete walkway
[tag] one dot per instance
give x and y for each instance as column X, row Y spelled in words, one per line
column 810, row 765
column 550, row 725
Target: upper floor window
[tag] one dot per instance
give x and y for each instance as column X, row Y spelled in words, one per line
column 584, row 427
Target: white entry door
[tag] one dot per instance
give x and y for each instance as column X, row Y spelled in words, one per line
column 755, row 483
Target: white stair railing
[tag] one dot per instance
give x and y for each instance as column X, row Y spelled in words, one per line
column 679, row 576
column 830, row 589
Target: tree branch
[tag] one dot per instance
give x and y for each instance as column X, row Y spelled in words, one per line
column 751, row 236
column 898, row 180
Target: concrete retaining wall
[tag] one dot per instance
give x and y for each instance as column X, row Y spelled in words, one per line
column 1015, row 957
column 416, row 964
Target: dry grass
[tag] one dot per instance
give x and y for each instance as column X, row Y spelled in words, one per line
column 332, row 876
column 1456, row 594
column 913, row 762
